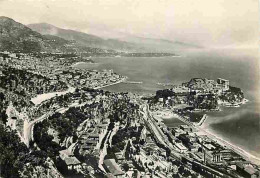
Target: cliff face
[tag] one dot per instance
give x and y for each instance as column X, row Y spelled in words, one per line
column 233, row 95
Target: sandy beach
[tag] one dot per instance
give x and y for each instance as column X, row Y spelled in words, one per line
column 210, row 133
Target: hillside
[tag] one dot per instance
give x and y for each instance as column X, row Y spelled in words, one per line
column 159, row 45
column 15, row 36
column 128, row 43
column 81, row 38
column 43, row 37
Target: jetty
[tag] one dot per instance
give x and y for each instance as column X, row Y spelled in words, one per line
column 202, row 120
column 165, row 84
column 133, row 82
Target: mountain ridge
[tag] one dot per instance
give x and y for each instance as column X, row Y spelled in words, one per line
column 127, row 44
column 44, row 37
column 15, row 36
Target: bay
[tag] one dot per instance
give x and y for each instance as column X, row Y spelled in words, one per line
column 240, row 126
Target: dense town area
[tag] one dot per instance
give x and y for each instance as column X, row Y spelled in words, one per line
column 84, row 131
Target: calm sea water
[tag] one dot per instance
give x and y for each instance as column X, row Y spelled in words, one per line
column 241, row 126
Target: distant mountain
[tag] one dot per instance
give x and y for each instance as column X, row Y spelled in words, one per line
column 15, row 36
column 159, row 44
column 48, row 29
column 82, row 38
column 127, row 43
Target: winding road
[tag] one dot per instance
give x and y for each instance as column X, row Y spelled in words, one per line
column 28, row 127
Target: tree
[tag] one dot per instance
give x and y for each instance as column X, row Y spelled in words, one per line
column 125, row 167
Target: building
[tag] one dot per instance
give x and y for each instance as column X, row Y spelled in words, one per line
column 119, row 157
column 112, row 167
column 247, row 170
column 185, row 128
column 93, row 136
column 71, row 161
column 143, row 134
column 177, row 131
column 224, row 83
column 225, row 155
column 181, row 148
column 208, row 146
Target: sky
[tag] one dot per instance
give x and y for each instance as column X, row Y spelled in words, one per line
column 213, row 23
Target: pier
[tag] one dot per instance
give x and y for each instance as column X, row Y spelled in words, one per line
column 165, row 84
column 133, row 82
column 202, row 120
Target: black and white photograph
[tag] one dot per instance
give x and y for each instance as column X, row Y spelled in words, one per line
column 129, row 89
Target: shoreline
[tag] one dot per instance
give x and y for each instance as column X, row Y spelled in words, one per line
column 132, row 56
column 163, row 115
column 46, row 96
column 222, row 141
column 234, row 105
column 82, row 62
column 203, row 119
column 104, row 86
column 77, row 63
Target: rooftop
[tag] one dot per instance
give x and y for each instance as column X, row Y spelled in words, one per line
column 71, row 161
column 180, row 146
column 65, row 153
column 223, row 79
column 113, row 167
column 248, row 168
column 68, row 157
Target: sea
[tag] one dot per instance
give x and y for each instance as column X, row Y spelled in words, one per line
column 240, row 126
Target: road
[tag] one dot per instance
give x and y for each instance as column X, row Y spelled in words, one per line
column 159, row 135
column 46, row 96
column 223, row 142
column 161, row 138
column 28, row 128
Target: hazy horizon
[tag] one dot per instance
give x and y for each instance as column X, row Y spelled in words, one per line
column 216, row 23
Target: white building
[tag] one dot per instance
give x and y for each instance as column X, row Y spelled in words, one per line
column 224, row 83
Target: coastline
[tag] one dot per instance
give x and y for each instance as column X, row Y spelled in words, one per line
column 237, row 105
column 203, row 119
column 45, row 96
column 120, row 81
column 222, row 141
column 77, row 63
column 246, row 155
column 163, row 115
